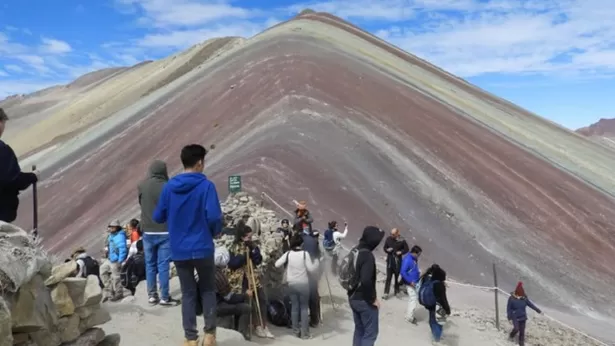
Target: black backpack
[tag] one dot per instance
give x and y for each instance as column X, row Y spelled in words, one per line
column 92, row 268
column 349, row 279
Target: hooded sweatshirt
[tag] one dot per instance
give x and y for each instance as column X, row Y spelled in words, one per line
column 439, row 289
column 190, row 206
column 149, row 193
column 366, row 265
column 12, row 181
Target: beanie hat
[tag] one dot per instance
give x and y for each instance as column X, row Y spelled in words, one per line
column 519, row 291
column 221, row 256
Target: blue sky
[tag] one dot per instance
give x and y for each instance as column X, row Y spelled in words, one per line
column 553, row 57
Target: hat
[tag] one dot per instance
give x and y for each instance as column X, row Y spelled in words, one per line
column 301, row 205
column 115, row 223
column 519, row 291
column 78, row 251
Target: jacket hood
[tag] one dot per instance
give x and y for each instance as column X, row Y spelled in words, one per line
column 371, row 238
column 438, row 274
column 186, row 182
column 158, row 169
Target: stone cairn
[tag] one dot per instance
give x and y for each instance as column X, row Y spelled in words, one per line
column 41, row 304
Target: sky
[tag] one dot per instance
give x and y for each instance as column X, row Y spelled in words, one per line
column 554, row 57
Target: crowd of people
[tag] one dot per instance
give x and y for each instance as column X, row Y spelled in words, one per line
column 181, row 217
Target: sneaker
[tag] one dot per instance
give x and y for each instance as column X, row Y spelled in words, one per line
column 385, row 297
column 307, row 336
column 268, row 333
column 153, row 300
column 169, row 302
column 260, row 332
column 412, row 320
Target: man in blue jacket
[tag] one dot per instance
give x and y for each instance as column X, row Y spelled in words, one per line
column 117, row 251
column 411, row 274
column 189, row 205
column 12, row 179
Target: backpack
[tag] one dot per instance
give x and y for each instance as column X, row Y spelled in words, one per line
column 278, row 314
column 92, row 268
column 348, row 270
column 427, row 297
column 327, row 242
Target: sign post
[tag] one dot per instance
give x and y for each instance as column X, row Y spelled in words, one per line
column 234, row 184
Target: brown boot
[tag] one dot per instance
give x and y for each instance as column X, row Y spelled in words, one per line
column 209, row 339
column 190, row 343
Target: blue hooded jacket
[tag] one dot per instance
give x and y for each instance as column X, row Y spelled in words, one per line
column 410, row 269
column 190, row 206
column 117, row 246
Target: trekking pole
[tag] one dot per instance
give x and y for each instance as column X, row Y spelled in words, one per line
column 255, row 291
column 329, row 288
column 34, row 208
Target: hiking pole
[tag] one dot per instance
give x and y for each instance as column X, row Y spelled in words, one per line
column 255, row 291
column 34, row 208
column 330, row 293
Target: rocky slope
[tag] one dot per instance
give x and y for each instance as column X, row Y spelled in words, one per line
column 602, row 131
column 318, row 109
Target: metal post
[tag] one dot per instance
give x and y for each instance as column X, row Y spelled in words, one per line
column 34, row 207
column 497, row 303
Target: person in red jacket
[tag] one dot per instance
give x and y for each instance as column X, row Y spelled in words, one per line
column 12, row 179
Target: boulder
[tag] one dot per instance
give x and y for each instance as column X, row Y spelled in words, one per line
column 224, row 336
column 62, row 300
column 6, row 334
column 68, row 327
column 46, row 337
column 100, row 316
column 91, row 337
column 33, row 308
column 61, row 272
column 84, row 292
column 21, row 338
column 86, row 311
column 20, row 258
column 111, row 340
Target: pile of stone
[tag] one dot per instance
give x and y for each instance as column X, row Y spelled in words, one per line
column 43, row 305
column 263, row 223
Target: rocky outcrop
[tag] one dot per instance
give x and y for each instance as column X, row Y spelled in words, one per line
column 43, row 305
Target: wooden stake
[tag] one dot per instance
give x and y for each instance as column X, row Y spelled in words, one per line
column 497, row 302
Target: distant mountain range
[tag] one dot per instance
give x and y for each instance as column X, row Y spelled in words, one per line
column 604, row 127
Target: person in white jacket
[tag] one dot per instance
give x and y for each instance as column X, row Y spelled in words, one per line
column 332, row 242
column 298, row 264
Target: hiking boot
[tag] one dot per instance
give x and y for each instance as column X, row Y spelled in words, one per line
column 260, row 332
column 169, row 302
column 191, row 343
column 153, row 300
column 209, row 339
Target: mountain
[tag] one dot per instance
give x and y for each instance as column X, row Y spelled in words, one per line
column 602, row 132
column 317, row 109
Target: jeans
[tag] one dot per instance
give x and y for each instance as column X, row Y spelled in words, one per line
column 436, row 328
column 519, row 327
column 365, row 323
column 157, row 261
column 299, row 300
column 413, row 298
column 240, row 312
column 206, row 287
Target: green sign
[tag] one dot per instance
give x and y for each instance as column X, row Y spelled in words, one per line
column 234, row 183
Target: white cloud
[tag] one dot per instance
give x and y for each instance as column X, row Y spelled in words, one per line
column 12, row 87
column 14, row 68
column 184, row 38
column 53, row 46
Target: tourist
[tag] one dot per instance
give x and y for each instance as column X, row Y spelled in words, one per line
column 303, row 218
column 238, row 264
column 155, row 236
column 190, row 207
column 310, row 245
column 132, row 231
column 395, row 247
column 86, row 265
column 12, row 179
column 111, row 268
column 363, row 299
column 133, row 270
column 299, row 267
column 432, row 291
column 516, row 311
column 285, row 231
column 231, row 303
column 411, row 275
column 332, row 242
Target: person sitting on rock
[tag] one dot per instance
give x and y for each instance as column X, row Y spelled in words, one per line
column 111, row 268
column 86, row 265
column 133, row 270
column 231, row 304
column 518, row 302
column 303, row 219
column 298, row 266
column 133, row 231
column 239, row 271
column 285, row 231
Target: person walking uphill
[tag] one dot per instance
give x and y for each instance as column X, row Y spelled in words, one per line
column 12, row 179
column 111, row 268
column 432, row 292
column 155, row 236
column 363, row 298
column 411, row 275
column 516, row 311
column 190, row 206
column 395, row 247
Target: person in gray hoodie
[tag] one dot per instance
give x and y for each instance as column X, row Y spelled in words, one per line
column 155, row 236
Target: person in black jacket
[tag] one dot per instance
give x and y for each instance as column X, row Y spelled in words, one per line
column 437, row 274
column 310, row 245
column 395, row 247
column 364, row 300
column 12, row 179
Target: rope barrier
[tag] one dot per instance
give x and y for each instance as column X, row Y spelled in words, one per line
column 484, row 288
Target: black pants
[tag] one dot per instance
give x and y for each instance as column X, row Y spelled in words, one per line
column 314, row 304
column 392, row 272
column 240, row 313
column 519, row 327
column 191, row 289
